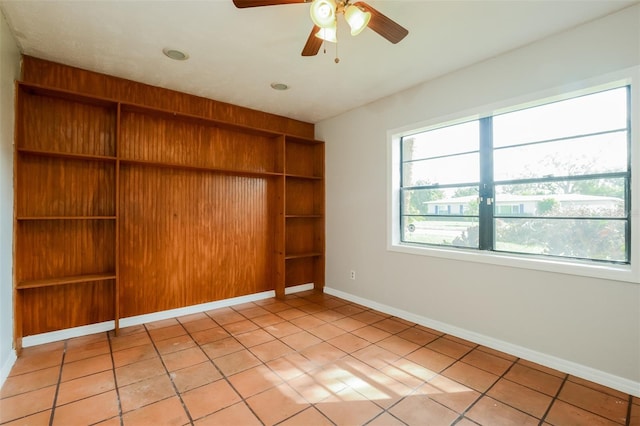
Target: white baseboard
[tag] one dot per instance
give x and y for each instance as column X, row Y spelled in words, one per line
column 298, row 288
column 194, row 309
column 68, row 333
column 615, row 382
column 6, row 367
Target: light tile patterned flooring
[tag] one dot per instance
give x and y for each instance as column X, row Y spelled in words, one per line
column 311, row 359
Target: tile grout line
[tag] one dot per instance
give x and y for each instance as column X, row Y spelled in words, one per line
column 554, row 399
column 588, row 410
column 483, row 394
column 184, row 406
column 210, row 360
column 115, row 381
column 311, row 405
column 55, row 397
column 629, row 407
column 224, row 376
column 322, row 340
column 396, row 334
column 461, row 416
column 384, row 411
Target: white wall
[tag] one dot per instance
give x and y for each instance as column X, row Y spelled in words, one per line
column 9, row 71
column 591, row 323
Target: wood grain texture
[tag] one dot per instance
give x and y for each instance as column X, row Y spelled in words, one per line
column 173, row 141
column 59, row 125
column 50, row 186
column 189, row 237
column 304, row 196
column 301, row 271
column 304, row 159
column 55, row 308
column 304, row 235
column 40, row 71
column 118, row 213
column 279, row 235
column 63, row 248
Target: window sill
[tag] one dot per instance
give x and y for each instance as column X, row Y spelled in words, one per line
column 571, row 267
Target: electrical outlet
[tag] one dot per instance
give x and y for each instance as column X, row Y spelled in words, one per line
column 353, row 275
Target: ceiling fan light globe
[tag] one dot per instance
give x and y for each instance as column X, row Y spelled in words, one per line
column 323, row 13
column 328, row 34
column 356, row 18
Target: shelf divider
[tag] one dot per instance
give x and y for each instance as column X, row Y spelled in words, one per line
column 51, row 282
column 28, row 218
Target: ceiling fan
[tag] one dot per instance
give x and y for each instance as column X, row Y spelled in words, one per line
column 324, row 13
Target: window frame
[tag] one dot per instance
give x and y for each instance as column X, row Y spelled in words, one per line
column 596, row 269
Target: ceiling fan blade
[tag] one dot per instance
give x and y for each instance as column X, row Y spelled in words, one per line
column 383, row 25
column 313, row 44
column 257, row 3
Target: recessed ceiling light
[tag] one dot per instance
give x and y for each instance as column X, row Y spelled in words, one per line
column 279, row 86
column 175, row 54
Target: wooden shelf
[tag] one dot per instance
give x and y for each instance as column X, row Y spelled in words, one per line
column 304, row 216
column 51, row 282
column 301, row 140
column 199, row 168
column 303, row 255
column 37, row 89
column 69, row 155
column 28, row 218
column 288, row 175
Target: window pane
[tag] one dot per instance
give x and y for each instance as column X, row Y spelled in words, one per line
column 598, row 239
column 559, row 174
column 579, row 198
column 572, row 157
column 458, row 232
column 594, row 113
column 443, row 171
column 444, row 141
column 449, row 201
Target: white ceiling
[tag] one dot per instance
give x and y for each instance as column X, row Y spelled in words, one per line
column 235, row 54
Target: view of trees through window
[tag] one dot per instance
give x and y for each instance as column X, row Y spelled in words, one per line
column 548, row 180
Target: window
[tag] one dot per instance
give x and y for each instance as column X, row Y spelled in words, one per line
column 551, row 180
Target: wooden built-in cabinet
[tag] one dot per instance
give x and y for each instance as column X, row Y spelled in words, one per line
column 124, row 209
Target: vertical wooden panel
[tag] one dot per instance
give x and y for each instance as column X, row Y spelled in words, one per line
column 189, row 142
column 189, row 237
column 60, row 248
column 55, row 308
column 47, row 186
column 300, row 271
column 278, row 208
column 59, row 125
column 300, row 236
column 116, row 290
column 304, row 196
column 304, row 158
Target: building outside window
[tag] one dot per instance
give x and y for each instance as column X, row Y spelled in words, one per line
column 550, row 180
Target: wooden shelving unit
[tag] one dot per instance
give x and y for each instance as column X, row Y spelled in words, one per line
column 124, row 209
column 304, row 211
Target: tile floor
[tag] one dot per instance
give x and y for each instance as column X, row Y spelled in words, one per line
column 312, row 359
